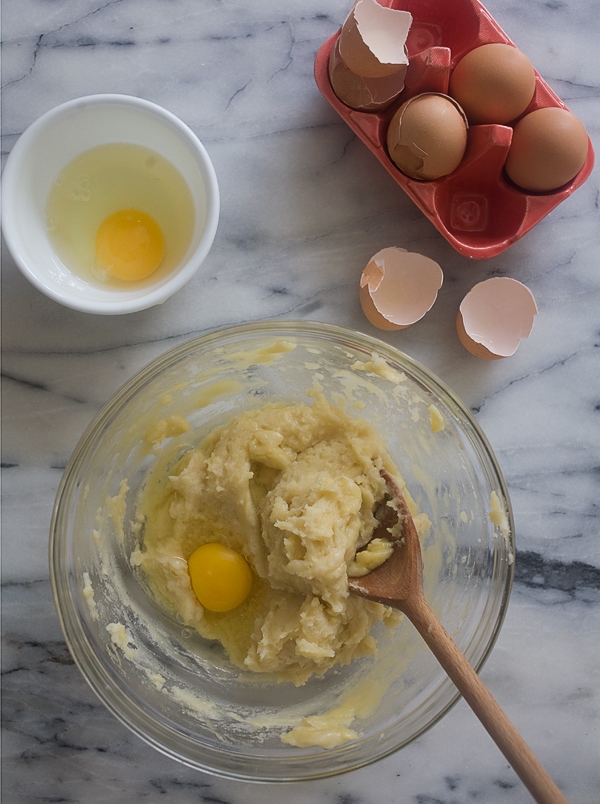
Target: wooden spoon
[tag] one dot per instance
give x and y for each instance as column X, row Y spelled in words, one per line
column 398, row 582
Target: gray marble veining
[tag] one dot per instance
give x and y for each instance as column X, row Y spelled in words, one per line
column 304, row 206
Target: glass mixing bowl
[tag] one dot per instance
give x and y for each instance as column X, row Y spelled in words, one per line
column 178, row 691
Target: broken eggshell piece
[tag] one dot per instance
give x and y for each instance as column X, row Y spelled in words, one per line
column 398, row 287
column 357, row 92
column 372, row 42
column 494, row 316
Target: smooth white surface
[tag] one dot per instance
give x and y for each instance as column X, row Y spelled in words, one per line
column 304, row 207
column 53, row 141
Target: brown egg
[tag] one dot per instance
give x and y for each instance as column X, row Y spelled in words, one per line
column 493, row 83
column 548, row 149
column 427, row 136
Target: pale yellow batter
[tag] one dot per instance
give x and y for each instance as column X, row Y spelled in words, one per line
column 293, row 489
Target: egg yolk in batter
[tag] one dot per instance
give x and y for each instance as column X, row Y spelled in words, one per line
column 129, row 245
column 221, row 578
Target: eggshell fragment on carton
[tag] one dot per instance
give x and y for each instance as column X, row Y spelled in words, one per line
column 495, row 316
column 398, row 287
column 427, row 136
column 373, row 39
column 358, row 92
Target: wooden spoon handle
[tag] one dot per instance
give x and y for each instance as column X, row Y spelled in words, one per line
column 482, row 702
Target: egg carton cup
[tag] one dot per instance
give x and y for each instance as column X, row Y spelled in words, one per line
column 476, row 208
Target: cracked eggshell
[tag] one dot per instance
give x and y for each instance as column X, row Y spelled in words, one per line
column 398, row 287
column 373, row 39
column 494, row 316
column 427, row 136
column 363, row 94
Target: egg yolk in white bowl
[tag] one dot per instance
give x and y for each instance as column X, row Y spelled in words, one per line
column 129, row 245
column 120, row 213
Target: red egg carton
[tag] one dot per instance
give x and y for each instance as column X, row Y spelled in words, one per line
column 476, row 208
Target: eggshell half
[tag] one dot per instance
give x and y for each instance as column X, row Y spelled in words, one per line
column 427, row 136
column 398, row 287
column 363, row 94
column 494, row 316
column 373, row 39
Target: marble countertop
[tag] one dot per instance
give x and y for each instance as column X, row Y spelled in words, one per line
column 304, row 206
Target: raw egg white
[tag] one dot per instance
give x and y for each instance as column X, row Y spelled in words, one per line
column 548, row 149
column 427, row 136
column 120, row 213
column 220, row 577
column 493, row 83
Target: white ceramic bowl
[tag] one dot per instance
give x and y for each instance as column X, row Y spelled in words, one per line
column 178, row 691
column 51, row 143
